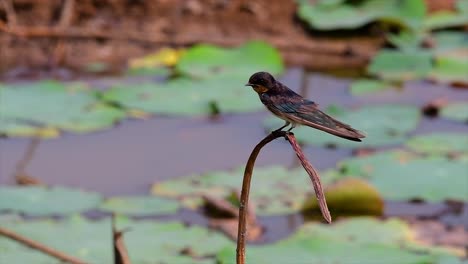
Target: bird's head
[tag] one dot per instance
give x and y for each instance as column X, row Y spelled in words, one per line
column 261, row 82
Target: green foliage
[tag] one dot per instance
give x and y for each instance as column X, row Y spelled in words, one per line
column 439, row 143
column 368, row 86
column 383, row 125
column 203, row 61
column 87, row 240
column 351, row 15
column 410, row 61
column 187, row 97
column 146, row 242
column 359, row 240
column 400, row 176
column 139, row 205
column 153, row 242
column 450, row 69
column 457, row 111
column 48, row 105
column 211, row 77
column 396, row 65
column 412, row 15
column 277, row 190
column 41, row 201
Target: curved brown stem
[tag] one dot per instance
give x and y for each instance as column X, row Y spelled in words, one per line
column 244, row 199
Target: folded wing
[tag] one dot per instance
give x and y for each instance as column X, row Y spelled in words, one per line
column 307, row 113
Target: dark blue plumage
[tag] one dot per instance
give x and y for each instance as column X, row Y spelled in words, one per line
column 295, row 110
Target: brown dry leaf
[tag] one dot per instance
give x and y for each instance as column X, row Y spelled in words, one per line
column 434, row 233
column 229, row 227
column 24, row 179
column 362, row 152
column 223, row 215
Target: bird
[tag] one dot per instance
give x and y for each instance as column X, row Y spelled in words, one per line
column 296, row 110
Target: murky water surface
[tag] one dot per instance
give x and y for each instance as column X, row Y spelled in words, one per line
column 130, row 157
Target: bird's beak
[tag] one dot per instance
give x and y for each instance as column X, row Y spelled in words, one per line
column 248, row 84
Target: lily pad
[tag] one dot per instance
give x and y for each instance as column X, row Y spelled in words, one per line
column 456, row 111
column 274, row 190
column 449, row 40
column 368, row 86
column 52, row 104
column 147, row 242
column 383, row 125
column 205, row 61
column 323, row 15
column 20, row 129
column 212, row 79
column 186, row 97
column 439, row 143
column 448, row 69
column 400, row 66
column 153, row 242
column 41, row 201
column 351, row 241
column 86, row 240
column 406, row 40
column 402, row 176
column 140, row 205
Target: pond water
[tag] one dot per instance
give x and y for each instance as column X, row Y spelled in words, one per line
column 127, row 159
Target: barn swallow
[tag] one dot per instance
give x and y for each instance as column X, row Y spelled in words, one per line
column 295, row 110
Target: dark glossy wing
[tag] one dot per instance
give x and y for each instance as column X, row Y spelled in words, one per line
column 307, row 113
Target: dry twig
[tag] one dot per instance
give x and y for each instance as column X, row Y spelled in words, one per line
column 20, row 174
column 38, row 246
column 244, row 199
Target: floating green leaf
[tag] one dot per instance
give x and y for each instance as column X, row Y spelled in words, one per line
column 399, row 175
column 212, row 77
column 276, row 190
column 406, row 40
column 449, row 40
column 20, row 129
column 41, row 201
column 348, row 15
column 152, row 242
column 187, row 97
column 439, row 143
column 147, row 242
column 140, row 205
column 351, row 241
column 450, row 69
column 51, row 104
column 400, row 66
column 204, row 61
column 368, row 86
column 383, row 125
column 457, row 111
column 89, row 241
